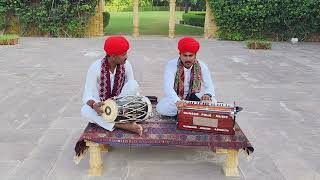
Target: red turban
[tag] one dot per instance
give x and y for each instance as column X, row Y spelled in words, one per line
column 188, row 44
column 116, row 45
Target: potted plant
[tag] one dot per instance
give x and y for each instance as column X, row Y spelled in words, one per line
column 258, row 44
column 294, row 40
column 9, row 39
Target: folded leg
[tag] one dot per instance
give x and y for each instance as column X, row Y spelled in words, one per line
column 90, row 114
column 167, row 107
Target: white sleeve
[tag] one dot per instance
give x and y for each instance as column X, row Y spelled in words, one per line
column 207, row 82
column 129, row 72
column 169, row 76
column 130, row 86
column 90, row 88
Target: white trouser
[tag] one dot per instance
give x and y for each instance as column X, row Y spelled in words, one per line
column 130, row 88
column 167, row 107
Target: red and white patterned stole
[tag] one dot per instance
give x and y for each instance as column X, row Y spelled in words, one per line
column 105, row 82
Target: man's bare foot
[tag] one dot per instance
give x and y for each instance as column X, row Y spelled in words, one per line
column 133, row 127
column 137, row 128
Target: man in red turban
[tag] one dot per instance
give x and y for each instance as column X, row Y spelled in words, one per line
column 185, row 78
column 109, row 77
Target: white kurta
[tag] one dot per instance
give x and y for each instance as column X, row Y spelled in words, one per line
column 92, row 87
column 167, row 105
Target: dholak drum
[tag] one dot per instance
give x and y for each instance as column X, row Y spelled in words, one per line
column 126, row 109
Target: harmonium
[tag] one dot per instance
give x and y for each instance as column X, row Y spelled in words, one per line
column 207, row 117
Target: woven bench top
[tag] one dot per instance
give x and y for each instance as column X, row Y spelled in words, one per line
column 162, row 131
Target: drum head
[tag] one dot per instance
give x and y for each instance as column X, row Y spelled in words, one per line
column 110, row 110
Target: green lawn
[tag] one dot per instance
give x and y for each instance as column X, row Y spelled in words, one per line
column 150, row 23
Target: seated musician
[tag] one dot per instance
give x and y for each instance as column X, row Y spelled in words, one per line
column 185, row 78
column 108, row 77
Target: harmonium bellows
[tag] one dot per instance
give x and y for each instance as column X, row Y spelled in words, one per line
column 207, row 117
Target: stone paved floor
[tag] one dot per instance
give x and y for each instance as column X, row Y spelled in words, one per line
column 42, row 83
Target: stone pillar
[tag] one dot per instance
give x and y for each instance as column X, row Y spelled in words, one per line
column 172, row 19
column 210, row 27
column 135, row 32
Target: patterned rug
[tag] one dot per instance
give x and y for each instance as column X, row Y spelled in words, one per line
column 162, row 131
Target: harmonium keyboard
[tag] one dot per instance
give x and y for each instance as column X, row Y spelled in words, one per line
column 207, row 117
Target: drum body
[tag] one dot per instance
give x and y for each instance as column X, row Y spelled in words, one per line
column 126, row 109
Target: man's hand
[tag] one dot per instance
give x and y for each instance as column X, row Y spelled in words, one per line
column 97, row 107
column 206, row 98
column 179, row 104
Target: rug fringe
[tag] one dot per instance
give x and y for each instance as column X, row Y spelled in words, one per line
column 78, row 158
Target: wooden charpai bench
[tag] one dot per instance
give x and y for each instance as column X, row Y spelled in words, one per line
column 160, row 131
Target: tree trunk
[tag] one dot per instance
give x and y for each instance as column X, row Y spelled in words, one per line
column 172, row 21
column 135, row 32
column 95, row 25
column 209, row 23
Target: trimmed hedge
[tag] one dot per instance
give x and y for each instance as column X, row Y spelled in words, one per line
column 54, row 18
column 258, row 44
column 277, row 19
column 2, row 17
column 194, row 19
column 106, row 19
column 2, row 21
column 9, row 39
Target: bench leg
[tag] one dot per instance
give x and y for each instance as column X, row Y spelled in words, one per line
column 104, row 148
column 95, row 163
column 230, row 167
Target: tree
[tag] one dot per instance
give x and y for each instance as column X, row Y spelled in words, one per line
column 191, row 3
column 186, row 5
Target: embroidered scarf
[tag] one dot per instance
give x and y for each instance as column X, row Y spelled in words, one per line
column 195, row 80
column 105, row 82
